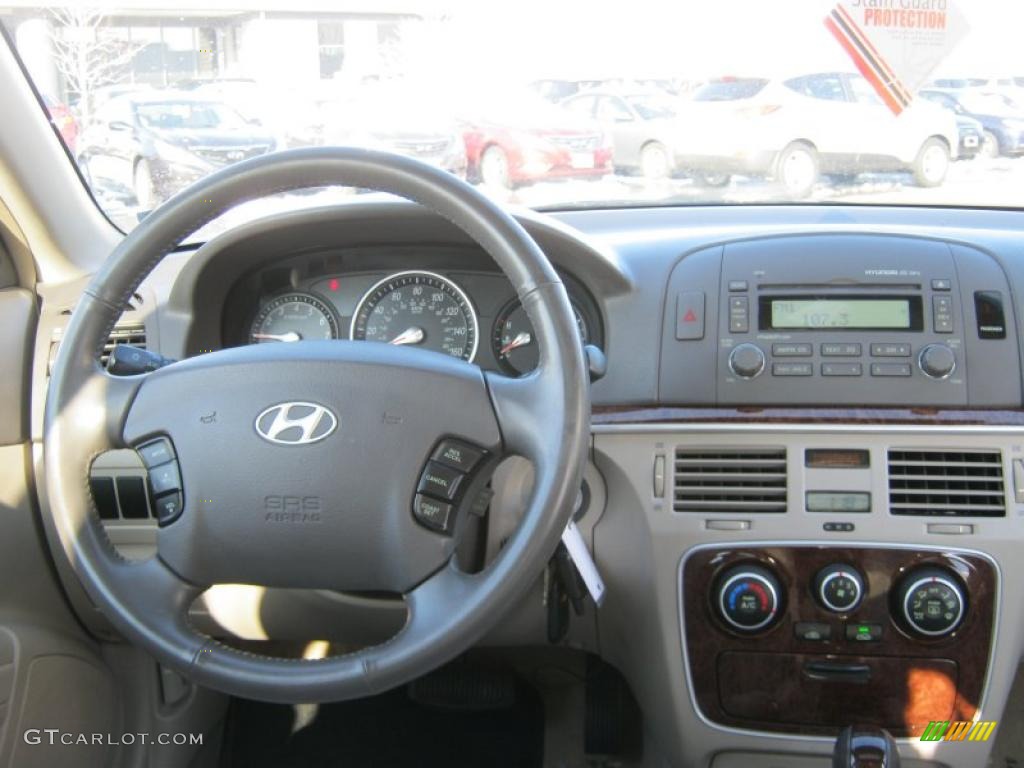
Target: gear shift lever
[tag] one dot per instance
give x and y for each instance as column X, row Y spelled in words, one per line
column 865, row 747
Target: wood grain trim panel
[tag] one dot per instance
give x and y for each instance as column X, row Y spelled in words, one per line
column 912, row 691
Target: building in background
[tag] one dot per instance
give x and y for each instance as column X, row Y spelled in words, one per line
column 147, row 45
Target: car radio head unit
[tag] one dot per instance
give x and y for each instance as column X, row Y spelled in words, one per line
column 840, row 312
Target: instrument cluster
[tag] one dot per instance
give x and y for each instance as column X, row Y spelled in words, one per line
column 445, row 313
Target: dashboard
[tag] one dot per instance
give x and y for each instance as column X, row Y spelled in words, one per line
column 805, row 490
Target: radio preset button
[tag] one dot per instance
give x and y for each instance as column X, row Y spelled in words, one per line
column 890, row 350
column 739, row 316
column 840, row 350
column 890, row 369
column 942, row 314
column 841, row 369
column 792, row 369
column 792, row 350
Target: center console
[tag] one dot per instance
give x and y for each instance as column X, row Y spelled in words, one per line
column 808, row 639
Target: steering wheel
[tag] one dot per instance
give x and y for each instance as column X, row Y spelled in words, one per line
column 365, row 420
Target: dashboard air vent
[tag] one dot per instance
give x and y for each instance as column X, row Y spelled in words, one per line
column 946, row 483
column 730, row 480
column 135, row 335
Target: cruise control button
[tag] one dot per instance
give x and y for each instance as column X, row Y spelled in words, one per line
column 792, row 369
column 156, row 452
column 792, row 350
column 890, row 369
column 840, row 350
column 439, row 480
column 841, row 369
column 164, row 478
column 890, row 350
column 458, row 455
column 434, row 514
column 814, row 631
column 168, row 508
column 864, row 633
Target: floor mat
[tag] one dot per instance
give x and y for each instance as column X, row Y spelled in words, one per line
column 387, row 731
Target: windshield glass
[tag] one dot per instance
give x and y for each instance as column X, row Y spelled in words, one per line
column 653, row 107
column 549, row 105
column 180, row 115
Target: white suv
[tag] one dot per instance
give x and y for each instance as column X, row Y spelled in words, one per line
column 796, row 129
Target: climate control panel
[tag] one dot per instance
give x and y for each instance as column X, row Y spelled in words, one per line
column 789, row 638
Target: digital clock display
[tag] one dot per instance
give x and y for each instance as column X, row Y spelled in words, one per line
column 841, row 313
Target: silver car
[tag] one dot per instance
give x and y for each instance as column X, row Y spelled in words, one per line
column 643, row 127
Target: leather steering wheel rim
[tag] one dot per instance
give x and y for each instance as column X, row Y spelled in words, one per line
column 543, row 416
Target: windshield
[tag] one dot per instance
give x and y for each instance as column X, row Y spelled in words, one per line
column 171, row 115
column 654, row 107
column 548, row 105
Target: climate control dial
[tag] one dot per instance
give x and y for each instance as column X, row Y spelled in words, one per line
column 839, row 588
column 748, row 598
column 931, row 602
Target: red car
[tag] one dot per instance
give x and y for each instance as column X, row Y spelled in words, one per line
column 514, row 144
column 63, row 120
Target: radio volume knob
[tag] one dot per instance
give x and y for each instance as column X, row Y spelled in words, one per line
column 936, row 361
column 746, row 360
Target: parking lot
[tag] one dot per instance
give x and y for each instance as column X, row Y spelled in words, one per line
column 978, row 182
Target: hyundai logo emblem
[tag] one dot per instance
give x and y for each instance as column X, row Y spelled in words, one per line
column 296, row 423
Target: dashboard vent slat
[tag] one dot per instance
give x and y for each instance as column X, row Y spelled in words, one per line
column 135, row 335
column 946, row 483
column 730, row 480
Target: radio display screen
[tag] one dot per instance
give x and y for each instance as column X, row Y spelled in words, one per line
column 902, row 313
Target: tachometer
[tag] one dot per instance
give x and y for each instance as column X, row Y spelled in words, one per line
column 294, row 317
column 514, row 340
column 418, row 309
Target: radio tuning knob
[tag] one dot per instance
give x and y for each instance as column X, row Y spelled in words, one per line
column 936, row 361
column 746, row 360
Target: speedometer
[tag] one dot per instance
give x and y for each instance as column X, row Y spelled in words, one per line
column 421, row 309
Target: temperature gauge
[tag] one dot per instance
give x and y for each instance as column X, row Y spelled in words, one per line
column 514, row 341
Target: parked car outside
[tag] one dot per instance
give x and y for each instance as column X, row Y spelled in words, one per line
column 525, row 140
column 796, row 129
column 645, row 131
column 62, row 119
column 154, row 143
column 972, row 135
column 396, row 120
column 1003, row 128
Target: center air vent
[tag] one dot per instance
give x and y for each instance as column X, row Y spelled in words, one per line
column 730, row 480
column 946, row 483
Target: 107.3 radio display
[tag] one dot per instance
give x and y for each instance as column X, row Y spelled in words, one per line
column 868, row 314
